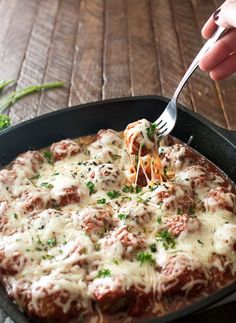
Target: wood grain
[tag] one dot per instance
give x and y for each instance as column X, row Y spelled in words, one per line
column 61, row 56
column 203, row 90
column 35, row 62
column 14, row 44
column 86, row 82
column 142, row 54
column 170, row 62
column 116, row 73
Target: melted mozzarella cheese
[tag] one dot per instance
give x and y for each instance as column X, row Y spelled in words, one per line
column 58, row 251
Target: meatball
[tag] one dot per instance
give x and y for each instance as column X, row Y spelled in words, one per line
column 30, row 162
column 123, row 243
column 11, row 262
column 220, row 199
column 139, row 136
column 137, row 215
column 107, row 177
column 225, row 239
column 175, row 157
column 182, row 275
column 182, row 223
column 36, row 199
column 109, row 137
column 64, row 148
column 198, row 177
column 56, row 298
column 67, row 191
column 173, row 197
column 95, row 221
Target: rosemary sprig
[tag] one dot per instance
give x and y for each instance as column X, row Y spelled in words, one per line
column 11, row 98
column 5, row 83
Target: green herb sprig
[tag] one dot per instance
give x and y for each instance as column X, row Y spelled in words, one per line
column 15, row 96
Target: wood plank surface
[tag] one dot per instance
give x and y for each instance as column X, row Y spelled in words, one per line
column 116, row 69
column 170, row 62
column 142, row 53
column 86, row 82
column 35, row 61
column 60, row 57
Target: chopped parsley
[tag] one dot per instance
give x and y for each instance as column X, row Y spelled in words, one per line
column 113, row 194
column 15, row 216
column 191, row 210
column 132, row 189
column 90, row 186
column 56, row 206
column 48, row 156
column 52, row 242
column 102, row 273
column 151, row 131
column 179, row 211
column 101, row 201
column 159, row 220
column 48, row 257
column 122, row 216
column 145, row 257
column 47, row 185
column 36, row 176
column 153, row 247
column 167, row 239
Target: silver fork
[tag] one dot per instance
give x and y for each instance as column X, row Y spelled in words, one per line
column 166, row 122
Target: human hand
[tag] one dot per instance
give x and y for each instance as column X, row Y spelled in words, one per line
column 220, row 60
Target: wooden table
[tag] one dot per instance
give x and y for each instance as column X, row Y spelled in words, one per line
column 105, row 49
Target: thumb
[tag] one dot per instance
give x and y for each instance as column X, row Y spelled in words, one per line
column 225, row 16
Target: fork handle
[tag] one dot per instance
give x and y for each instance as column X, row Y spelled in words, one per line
column 219, row 31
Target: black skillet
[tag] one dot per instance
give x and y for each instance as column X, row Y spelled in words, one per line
column 216, row 144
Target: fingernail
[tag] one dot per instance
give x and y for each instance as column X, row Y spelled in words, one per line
column 216, row 14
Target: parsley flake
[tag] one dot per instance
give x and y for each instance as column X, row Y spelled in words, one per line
column 145, row 257
column 48, row 156
column 113, row 194
column 102, row 273
column 167, row 239
column 52, row 242
column 101, row 201
column 90, row 186
column 47, row 185
column 123, row 216
column 151, row 131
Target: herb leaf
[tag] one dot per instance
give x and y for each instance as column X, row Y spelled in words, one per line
column 5, row 121
column 145, row 257
column 52, row 242
column 47, row 185
column 122, row 216
column 90, row 186
column 151, row 131
column 102, row 273
column 101, row 201
column 11, row 98
column 168, row 240
column 48, row 156
column 113, row 194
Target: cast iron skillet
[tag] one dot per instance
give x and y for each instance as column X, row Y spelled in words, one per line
column 216, row 144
